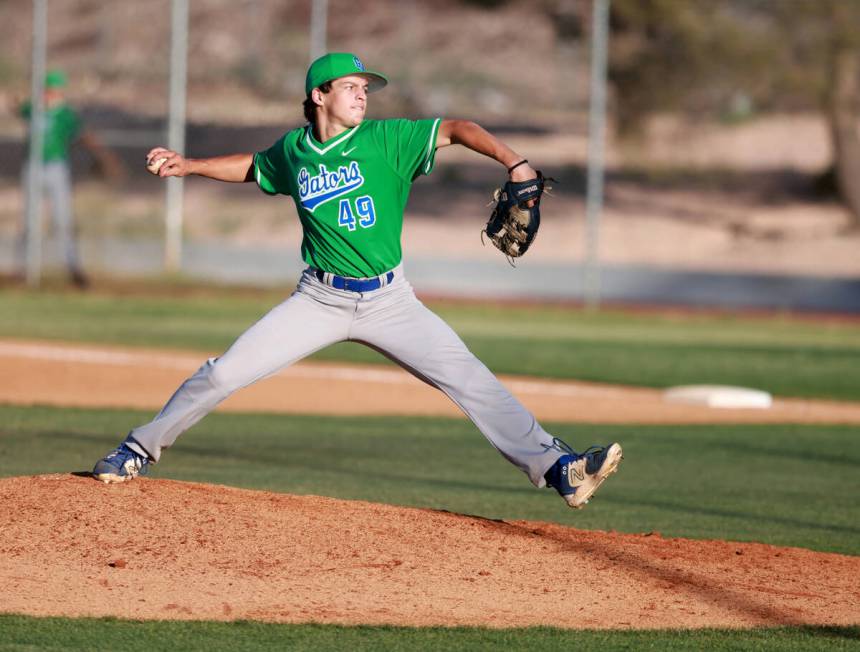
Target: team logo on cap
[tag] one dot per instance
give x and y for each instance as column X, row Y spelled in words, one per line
column 358, row 64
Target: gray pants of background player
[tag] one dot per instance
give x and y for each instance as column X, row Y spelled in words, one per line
column 390, row 319
column 57, row 185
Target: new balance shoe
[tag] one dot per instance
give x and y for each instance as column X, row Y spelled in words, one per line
column 576, row 476
column 120, row 465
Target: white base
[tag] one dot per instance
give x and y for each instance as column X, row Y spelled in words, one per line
column 719, row 396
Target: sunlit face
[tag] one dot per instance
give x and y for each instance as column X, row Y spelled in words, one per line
column 346, row 102
column 53, row 96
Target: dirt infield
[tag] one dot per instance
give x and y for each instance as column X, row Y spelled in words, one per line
column 160, row 549
column 97, row 376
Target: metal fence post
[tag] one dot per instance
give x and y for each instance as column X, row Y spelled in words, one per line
column 35, row 163
column 176, row 131
column 596, row 130
column 319, row 15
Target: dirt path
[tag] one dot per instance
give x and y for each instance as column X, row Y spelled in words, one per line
column 82, row 375
column 160, row 549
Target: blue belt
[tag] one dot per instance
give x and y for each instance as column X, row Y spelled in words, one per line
column 354, row 284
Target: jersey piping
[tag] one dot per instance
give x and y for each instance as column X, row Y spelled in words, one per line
column 431, row 143
column 340, row 139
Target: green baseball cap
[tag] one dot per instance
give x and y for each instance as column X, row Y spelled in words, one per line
column 55, row 79
column 340, row 64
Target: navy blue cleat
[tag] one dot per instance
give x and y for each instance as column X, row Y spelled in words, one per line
column 120, row 465
column 576, row 476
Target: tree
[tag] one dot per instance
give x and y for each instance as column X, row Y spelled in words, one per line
column 693, row 56
column 841, row 101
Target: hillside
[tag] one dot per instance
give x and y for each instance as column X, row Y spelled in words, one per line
column 738, row 197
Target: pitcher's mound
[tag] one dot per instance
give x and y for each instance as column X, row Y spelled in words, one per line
column 159, row 549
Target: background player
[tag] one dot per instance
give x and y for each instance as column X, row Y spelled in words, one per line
column 350, row 180
column 61, row 127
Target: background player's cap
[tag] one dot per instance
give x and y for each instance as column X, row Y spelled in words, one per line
column 55, row 79
column 340, row 64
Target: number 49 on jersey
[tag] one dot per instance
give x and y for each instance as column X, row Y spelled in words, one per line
column 364, row 209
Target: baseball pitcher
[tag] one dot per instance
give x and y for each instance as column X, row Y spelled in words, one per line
column 350, row 179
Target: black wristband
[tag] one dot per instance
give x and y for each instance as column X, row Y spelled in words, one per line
column 516, row 165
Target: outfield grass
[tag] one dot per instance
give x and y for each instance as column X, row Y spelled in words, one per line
column 22, row 633
column 788, row 357
column 786, row 485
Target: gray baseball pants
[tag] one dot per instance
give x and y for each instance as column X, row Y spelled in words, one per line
column 57, row 184
column 391, row 320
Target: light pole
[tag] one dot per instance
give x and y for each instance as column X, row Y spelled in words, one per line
column 596, row 135
column 176, row 131
column 37, row 139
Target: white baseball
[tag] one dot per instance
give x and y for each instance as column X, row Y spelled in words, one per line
column 155, row 164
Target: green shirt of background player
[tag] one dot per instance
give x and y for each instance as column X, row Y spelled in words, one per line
column 61, row 125
column 335, row 105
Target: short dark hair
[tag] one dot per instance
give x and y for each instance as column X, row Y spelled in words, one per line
column 310, row 106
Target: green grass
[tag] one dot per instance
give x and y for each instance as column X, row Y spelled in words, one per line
column 785, row 485
column 18, row 633
column 786, row 356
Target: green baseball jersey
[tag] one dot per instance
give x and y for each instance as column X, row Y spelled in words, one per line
column 60, row 127
column 351, row 191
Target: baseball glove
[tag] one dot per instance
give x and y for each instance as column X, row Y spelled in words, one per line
column 514, row 224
